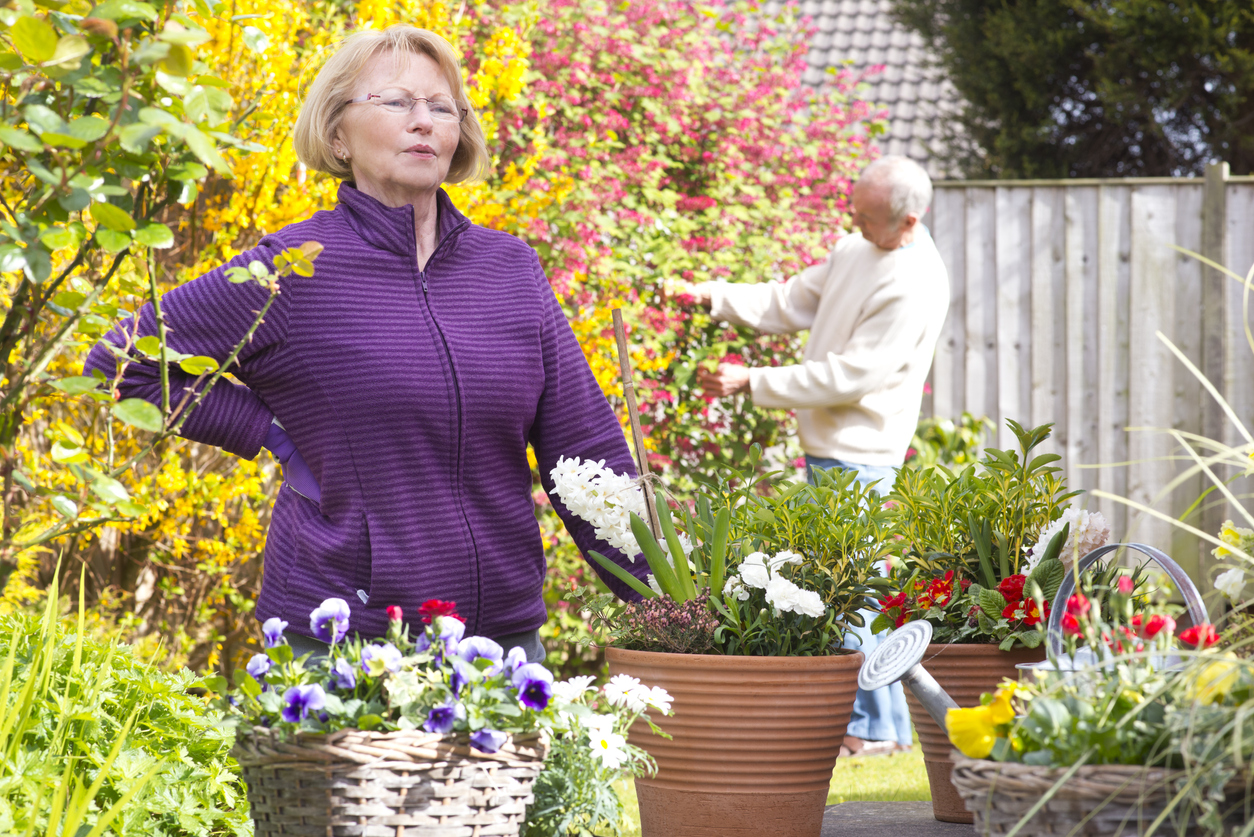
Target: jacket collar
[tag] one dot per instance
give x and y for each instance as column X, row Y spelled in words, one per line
column 392, row 228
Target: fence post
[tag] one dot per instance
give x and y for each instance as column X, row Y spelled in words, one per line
column 1214, row 332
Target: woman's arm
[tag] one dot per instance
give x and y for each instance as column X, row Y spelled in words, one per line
column 574, row 419
column 208, row 316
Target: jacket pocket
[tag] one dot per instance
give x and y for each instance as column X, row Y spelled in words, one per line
column 331, row 558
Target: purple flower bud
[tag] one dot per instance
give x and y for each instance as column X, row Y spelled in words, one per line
column 534, row 684
column 329, row 620
column 299, row 701
column 441, row 719
column 487, row 740
column 273, row 629
column 342, row 675
column 258, row 666
column 463, row 673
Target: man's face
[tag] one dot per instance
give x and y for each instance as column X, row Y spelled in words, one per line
column 873, row 216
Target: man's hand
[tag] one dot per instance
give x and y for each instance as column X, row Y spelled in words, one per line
column 728, row 380
column 700, row 293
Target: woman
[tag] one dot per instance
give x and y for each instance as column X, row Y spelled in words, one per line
column 402, row 382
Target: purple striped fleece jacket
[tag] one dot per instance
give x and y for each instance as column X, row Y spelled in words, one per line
column 412, row 395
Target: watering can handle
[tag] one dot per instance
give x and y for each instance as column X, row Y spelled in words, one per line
column 1192, row 597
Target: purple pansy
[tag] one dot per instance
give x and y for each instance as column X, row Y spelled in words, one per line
column 329, row 620
column 422, row 642
column 342, row 675
column 441, row 719
column 376, row 659
column 299, row 701
column 487, row 740
column 473, row 647
column 515, row 658
column 258, row 666
column 463, row 673
column 273, row 629
column 534, row 684
column 451, row 631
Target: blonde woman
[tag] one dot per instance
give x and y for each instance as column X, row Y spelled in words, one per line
column 401, row 384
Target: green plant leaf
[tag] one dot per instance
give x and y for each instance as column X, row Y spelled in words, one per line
column 155, row 235
column 136, row 136
column 139, row 413
column 69, row 52
column 65, row 507
column 90, row 128
column 622, row 575
column 178, row 61
column 203, row 148
column 112, row 242
column 112, row 217
column 21, row 140
column 119, row 10
column 35, row 38
column 109, row 489
column 198, row 365
column 62, row 140
column 992, row 602
column 1048, row 575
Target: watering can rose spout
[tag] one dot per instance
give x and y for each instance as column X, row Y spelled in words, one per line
column 899, row 657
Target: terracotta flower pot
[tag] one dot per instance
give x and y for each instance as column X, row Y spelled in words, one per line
column 754, row 741
column 965, row 672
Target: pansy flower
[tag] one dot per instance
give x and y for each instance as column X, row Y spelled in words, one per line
column 534, row 684
column 329, row 620
column 272, row 629
column 300, row 701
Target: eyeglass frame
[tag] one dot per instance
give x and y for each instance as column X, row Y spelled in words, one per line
column 464, row 111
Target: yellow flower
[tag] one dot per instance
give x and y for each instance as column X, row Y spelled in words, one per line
column 971, row 730
column 1214, row 680
column 1001, row 710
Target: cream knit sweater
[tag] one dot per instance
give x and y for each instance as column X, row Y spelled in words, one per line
column 874, row 316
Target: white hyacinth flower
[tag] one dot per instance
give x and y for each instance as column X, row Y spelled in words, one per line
column 1231, row 583
column 1089, row 530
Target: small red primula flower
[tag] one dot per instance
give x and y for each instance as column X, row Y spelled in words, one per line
column 1071, row 625
column 1011, row 587
column 432, row 608
column 1200, row 636
column 1025, row 610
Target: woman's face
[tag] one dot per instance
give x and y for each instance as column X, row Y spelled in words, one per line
column 398, row 158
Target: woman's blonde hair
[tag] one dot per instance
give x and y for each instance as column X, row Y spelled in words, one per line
column 327, row 97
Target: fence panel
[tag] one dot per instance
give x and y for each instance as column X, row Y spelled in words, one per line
column 1061, row 290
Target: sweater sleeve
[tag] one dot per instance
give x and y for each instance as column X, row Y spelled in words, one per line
column 886, row 337
column 208, row 316
column 771, row 307
column 574, row 419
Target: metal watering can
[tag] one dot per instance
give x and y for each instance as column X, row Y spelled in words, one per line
column 900, row 655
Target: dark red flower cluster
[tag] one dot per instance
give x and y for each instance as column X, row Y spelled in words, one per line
column 432, row 608
column 896, row 608
column 1200, row 636
column 1017, row 607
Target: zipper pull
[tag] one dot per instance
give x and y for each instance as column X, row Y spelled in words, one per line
column 423, row 277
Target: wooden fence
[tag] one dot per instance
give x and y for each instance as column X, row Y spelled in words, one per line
column 1058, row 290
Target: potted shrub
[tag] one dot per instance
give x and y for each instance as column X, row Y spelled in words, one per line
column 742, row 621
column 439, row 732
column 981, row 554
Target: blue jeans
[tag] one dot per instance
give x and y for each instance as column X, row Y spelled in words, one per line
column 882, row 714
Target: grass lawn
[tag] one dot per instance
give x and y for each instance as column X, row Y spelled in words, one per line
column 896, row 778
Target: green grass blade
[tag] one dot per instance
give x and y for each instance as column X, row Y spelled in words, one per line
column 683, row 571
column 622, row 575
column 662, row 572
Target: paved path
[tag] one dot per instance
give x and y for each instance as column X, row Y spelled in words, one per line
column 894, row 819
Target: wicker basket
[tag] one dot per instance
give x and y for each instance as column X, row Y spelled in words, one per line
column 406, row 783
column 1112, row 800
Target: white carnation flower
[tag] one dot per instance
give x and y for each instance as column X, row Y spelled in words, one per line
column 785, row 557
column 754, row 571
column 1231, row 583
column 1089, row 530
column 734, row 587
column 782, row 594
column 810, row 603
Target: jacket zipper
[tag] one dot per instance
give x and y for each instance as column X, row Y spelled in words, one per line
column 457, row 397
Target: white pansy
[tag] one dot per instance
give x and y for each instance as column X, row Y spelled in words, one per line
column 782, row 594
column 810, row 603
column 1089, row 530
column 574, row 688
column 1231, row 583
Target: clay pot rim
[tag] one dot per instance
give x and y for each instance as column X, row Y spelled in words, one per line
column 847, row 658
column 973, row 648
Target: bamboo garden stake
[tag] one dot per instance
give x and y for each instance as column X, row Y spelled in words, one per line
column 633, row 415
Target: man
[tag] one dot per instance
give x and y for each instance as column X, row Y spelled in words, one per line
column 874, row 310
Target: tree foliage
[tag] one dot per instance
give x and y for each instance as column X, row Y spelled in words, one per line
column 1095, row 88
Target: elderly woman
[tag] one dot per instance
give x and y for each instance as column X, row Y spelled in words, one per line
column 401, row 383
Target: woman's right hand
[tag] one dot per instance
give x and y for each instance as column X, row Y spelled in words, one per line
column 295, row 472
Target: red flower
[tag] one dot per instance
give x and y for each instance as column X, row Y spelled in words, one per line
column 1026, row 611
column 395, row 613
column 432, row 608
column 1200, row 636
column 939, row 592
column 895, row 608
column 966, row 582
column 1078, row 605
column 1011, row 587
column 1071, row 625
column 1125, row 585
column 1153, row 626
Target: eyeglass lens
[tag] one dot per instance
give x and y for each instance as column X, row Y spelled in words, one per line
column 440, row 107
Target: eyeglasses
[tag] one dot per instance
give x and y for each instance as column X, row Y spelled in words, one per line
column 441, row 108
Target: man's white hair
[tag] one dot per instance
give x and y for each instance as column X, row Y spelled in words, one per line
column 910, row 189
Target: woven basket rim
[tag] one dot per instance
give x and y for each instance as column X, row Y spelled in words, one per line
column 257, row 746
column 1097, row 782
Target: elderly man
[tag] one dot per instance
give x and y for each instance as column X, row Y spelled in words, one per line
column 874, row 310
